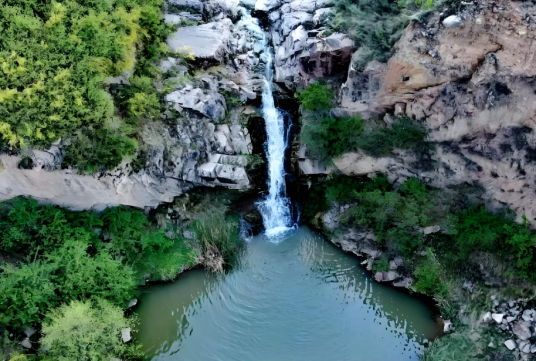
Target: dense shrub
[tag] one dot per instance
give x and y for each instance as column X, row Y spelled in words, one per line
column 87, row 331
column 55, row 58
column 404, row 134
column 428, row 276
column 315, row 97
column 77, row 255
column 376, row 25
column 476, row 229
column 333, row 136
column 26, row 293
column 219, row 240
column 342, row 189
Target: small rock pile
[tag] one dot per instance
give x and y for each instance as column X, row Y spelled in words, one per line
column 516, row 319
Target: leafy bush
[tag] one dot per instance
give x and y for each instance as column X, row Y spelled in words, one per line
column 25, row 226
column 429, row 280
column 381, row 265
column 79, row 275
column 340, row 189
column 77, row 255
column 87, row 331
column 334, row 136
column 55, row 58
column 315, row 97
column 219, row 240
column 404, row 134
column 26, row 293
column 476, row 229
column 376, row 25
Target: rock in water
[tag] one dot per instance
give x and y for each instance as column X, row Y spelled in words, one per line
column 486, row 317
column 521, row 330
column 378, row 276
column 452, row 21
column 132, row 303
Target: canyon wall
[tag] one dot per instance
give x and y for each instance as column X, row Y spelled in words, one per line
column 471, row 83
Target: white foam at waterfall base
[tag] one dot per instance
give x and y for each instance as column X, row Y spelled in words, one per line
column 275, row 208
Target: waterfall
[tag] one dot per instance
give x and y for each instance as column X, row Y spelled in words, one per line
column 275, row 208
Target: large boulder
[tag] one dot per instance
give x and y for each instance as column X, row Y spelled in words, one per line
column 207, row 41
column 204, row 98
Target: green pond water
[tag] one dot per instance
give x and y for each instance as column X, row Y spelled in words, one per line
column 300, row 299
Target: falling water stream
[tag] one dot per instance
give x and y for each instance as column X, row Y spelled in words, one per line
column 291, row 296
column 275, row 208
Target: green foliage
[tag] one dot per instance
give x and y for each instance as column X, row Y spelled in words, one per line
column 98, row 150
column 164, row 259
column 219, row 238
column 55, row 58
column 476, row 229
column 315, row 97
column 522, row 242
column 232, row 99
column 25, row 226
column 78, row 255
column 429, row 280
column 419, row 4
column 333, row 136
column 26, row 293
column 381, row 265
column 404, row 134
column 469, row 343
column 79, row 275
column 342, row 189
column 255, row 162
column 87, row 331
column 316, row 202
column 376, row 25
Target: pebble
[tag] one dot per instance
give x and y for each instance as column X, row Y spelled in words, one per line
column 510, row 344
column 498, row 317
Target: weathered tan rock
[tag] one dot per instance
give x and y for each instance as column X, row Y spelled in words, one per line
column 472, row 85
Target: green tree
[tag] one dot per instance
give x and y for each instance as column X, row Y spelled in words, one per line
column 26, row 293
column 87, row 331
column 316, row 97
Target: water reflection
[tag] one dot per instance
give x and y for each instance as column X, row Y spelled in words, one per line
column 302, row 299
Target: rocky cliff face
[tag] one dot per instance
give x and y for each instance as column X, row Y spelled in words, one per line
column 471, row 82
column 199, row 139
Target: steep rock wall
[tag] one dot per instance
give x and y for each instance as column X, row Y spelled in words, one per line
column 473, row 87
